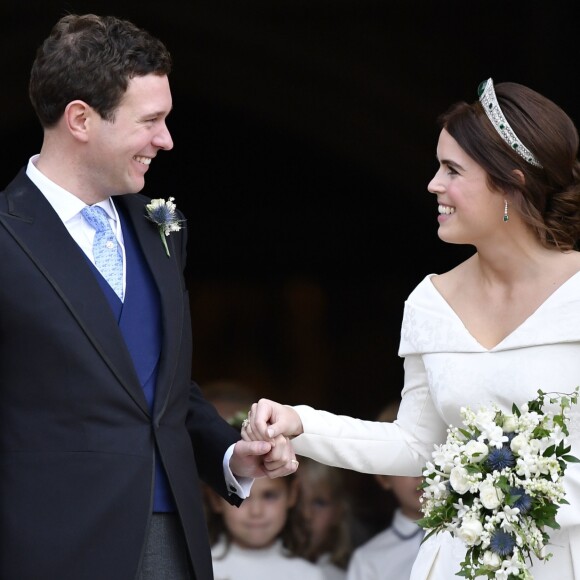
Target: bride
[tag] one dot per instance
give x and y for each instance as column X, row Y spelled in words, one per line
column 496, row 328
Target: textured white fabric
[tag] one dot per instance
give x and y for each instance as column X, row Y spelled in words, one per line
column 245, row 564
column 387, row 556
column 446, row 368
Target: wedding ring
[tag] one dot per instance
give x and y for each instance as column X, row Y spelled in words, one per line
column 245, row 423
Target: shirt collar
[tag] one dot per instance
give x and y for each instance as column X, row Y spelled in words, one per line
column 67, row 205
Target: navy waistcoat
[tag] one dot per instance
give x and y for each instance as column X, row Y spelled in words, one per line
column 139, row 319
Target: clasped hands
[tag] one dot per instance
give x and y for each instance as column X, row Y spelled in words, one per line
column 269, row 427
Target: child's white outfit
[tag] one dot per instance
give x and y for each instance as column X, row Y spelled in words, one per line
column 390, row 554
column 249, row 564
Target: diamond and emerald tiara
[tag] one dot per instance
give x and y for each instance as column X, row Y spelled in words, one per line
column 494, row 113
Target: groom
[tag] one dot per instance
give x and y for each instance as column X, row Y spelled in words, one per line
column 103, row 436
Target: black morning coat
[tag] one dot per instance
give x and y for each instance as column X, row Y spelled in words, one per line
column 77, row 440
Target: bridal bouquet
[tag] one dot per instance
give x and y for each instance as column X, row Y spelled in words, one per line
column 496, row 484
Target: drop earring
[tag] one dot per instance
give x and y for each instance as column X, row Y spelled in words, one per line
column 506, row 217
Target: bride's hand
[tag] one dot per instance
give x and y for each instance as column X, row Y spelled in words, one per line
column 268, row 419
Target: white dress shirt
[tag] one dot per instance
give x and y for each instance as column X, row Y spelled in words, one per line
column 69, row 207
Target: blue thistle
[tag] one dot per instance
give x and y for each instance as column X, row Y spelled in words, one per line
column 499, row 459
column 502, row 543
column 161, row 214
column 523, row 501
column 164, row 215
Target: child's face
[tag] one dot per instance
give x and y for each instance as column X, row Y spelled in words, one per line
column 262, row 516
column 319, row 509
column 406, row 491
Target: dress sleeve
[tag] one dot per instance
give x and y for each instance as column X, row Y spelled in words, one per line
column 399, row 448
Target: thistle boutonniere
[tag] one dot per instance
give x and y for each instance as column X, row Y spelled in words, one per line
column 163, row 214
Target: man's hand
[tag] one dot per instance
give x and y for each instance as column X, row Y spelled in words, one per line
column 273, row 458
column 268, row 419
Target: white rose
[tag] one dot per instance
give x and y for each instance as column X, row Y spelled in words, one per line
column 459, row 481
column 490, row 495
column 491, row 560
column 484, row 420
column 470, row 532
column 476, row 451
column 510, row 423
column 519, row 444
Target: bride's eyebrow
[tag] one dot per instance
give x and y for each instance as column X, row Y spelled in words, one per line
column 452, row 164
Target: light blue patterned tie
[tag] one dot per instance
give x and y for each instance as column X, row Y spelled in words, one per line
column 106, row 249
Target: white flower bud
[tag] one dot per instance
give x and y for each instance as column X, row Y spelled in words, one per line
column 490, row 495
column 476, row 451
column 491, row 560
column 470, row 532
column 459, row 481
column 510, row 423
column 519, row 444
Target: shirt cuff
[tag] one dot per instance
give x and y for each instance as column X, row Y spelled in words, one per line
column 242, row 486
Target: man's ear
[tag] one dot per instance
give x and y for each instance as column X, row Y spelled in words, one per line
column 78, row 116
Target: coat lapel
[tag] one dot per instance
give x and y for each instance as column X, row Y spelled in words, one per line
column 43, row 237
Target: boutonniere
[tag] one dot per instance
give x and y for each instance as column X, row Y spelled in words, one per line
column 163, row 214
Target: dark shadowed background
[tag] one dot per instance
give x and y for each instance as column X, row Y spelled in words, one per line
column 305, row 137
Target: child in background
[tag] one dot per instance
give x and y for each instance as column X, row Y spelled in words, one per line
column 261, row 538
column 232, row 399
column 390, row 554
column 323, row 502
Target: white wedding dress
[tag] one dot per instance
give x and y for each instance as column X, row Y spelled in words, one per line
column 445, row 369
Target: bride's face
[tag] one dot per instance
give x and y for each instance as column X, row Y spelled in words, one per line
column 469, row 211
